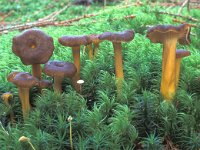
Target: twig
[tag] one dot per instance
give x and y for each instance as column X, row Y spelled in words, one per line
column 188, row 6
column 183, row 22
column 43, row 23
column 100, row 21
column 6, row 29
column 42, row 10
column 176, row 15
column 53, row 23
column 5, row 16
column 54, row 14
column 181, row 8
column 166, row 4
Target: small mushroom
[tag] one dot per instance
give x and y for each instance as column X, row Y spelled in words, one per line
column 7, row 98
column 59, row 70
column 117, row 39
column 80, row 82
column 179, row 55
column 34, row 47
column 45, row 84
column 75, row 42
column 94, row 39
column 169, row 36
column 24, row 81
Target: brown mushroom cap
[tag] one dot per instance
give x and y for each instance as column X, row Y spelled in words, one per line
column 22, row 79
column 11, row 76
column 94, row 38
column 73, row 41
column 45, row 83
column 59, row 69
column 160, row 33
column 33, row 47
column 182, row 53
column 124, row 36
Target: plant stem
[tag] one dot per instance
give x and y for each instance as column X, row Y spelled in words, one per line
column 76, row 56
column 3, row 128
column 70, row 135
column 31, row 145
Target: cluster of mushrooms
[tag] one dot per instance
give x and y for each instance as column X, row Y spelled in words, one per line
column 34, row 47
column 169, row 36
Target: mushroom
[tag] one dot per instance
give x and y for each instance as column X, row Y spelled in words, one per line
column 7, row 98
column 80, row 82
column 94, row 39
column 90, row 51
column 169, row 36
column 117, row 39
column 45, row 84
column 59, row 70
column 34, row 47
column 179, row 55
column 24, row 81
column 75, row 42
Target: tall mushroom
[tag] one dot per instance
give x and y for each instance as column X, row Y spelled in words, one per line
column 59, row 70
column 117, row 39
column 169, row 36
column 24, row 81
column 34, row 47
column 179, row 55
column 75, row 42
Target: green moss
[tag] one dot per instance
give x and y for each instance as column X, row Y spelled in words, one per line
column 101, row 120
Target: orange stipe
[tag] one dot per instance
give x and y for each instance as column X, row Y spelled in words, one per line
column 33, row 46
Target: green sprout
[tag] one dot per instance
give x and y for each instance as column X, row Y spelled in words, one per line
column 70, row 131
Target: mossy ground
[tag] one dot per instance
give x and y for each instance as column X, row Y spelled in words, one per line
column 100, row 119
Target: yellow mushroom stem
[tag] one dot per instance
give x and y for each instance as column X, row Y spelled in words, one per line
column 90, row 51
column 24, row 97
column 37, row 72
column 179, row 56
column 96, row 46
column 178, row 65
column 168, row 81
column 118, row 65
column 57, row 84
column 76, row 57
